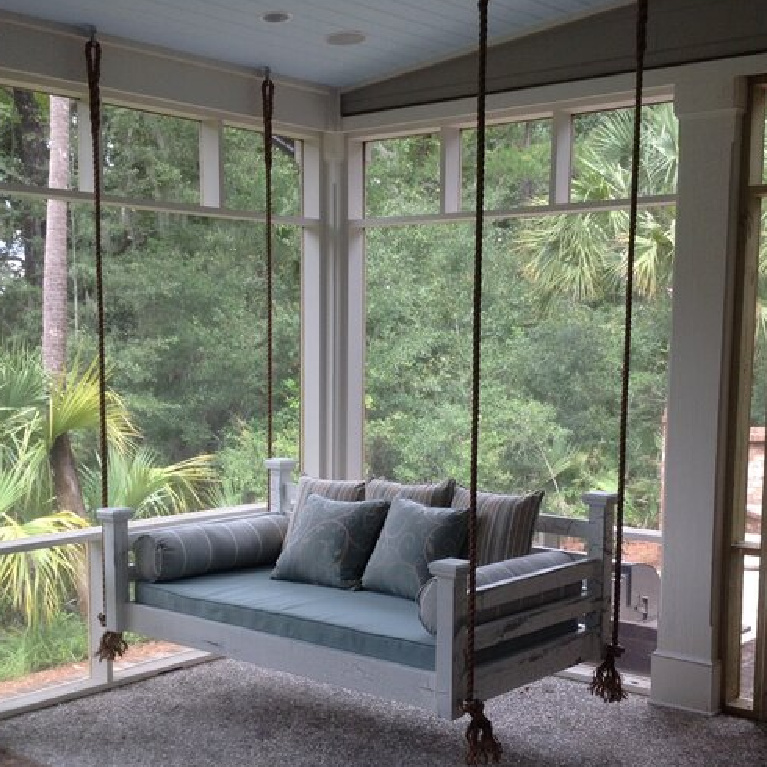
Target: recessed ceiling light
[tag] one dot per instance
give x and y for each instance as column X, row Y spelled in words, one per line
column 276, row 17
column 346, row 37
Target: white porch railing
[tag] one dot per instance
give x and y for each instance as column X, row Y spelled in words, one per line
column 103, row 675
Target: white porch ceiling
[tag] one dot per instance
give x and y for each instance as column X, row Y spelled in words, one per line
column 400, row 34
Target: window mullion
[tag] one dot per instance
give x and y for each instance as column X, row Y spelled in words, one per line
column 211, row 164
column 450, row 170
column 561, row 157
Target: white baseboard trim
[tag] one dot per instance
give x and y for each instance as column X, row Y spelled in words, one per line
column 686, row 683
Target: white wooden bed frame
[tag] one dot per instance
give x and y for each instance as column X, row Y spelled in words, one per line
column 441, row 690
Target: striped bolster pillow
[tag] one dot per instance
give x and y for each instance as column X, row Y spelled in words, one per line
column 208, row 547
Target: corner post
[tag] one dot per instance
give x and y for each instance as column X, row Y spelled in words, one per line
column 280, row 480
column 600, row 544
column 114, row 525
column 450, row 662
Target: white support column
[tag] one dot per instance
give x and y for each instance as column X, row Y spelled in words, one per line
column 316, row 346
column 686, row 669
column 450, row 170
column 84, row 148
column 355, row 317
column 334, row 326
column 211, row 164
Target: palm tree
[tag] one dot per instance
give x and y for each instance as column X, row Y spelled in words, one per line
column 583, row 255
column 34, row 413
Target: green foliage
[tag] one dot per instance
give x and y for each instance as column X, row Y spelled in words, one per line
column 35, row 584
column 136, row 481
column 517, row 164
column 552, row 329
column 402, row 176
column 241, row 461
column 25, row 650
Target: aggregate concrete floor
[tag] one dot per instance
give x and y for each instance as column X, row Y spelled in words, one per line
column 229, row 714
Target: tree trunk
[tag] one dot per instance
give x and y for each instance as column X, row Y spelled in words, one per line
column 55, row 265
column 66, row 482
column 63, row 465
column 29, row 137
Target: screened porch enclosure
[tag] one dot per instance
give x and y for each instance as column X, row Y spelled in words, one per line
column 373, row 204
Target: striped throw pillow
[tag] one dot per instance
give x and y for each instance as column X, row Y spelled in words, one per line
column 437, row 494
column 505, row 523
column 334, row 489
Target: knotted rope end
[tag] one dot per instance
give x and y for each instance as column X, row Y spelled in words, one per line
column 483, row 745
column 607, row 682
column 111, row 646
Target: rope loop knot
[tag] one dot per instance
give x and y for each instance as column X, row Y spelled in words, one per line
column 483, row 745
column 607, row 683
column 111, row 646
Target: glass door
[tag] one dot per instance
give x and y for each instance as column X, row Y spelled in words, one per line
column 745, row 595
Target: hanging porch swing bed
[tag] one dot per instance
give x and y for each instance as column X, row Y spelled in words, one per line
column 315, row 605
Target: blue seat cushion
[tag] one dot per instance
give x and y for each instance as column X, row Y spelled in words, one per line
column 362, row 622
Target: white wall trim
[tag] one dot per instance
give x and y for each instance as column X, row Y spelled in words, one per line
column 682, row 682
column 44, row 56
column 686, row 667
column 531, row 103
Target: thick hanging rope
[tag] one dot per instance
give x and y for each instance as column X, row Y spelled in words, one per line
column 482, row 744
column 607, row 679
column 267, row 100
column 112, row 644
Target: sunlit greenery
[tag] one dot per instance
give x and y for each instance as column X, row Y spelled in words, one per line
column 552, row 321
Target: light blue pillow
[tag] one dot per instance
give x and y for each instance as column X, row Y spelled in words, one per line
column 330, row 542
column 206, row 547
column 413, row 536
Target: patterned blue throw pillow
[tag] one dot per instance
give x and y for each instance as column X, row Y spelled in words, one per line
column 413, row 536
column 330, row 542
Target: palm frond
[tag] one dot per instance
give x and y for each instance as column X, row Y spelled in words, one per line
column 23, row 469
column 568, row 255
column 74, row 406
column 35, row 584
column 22, row 389
column 137, row 482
